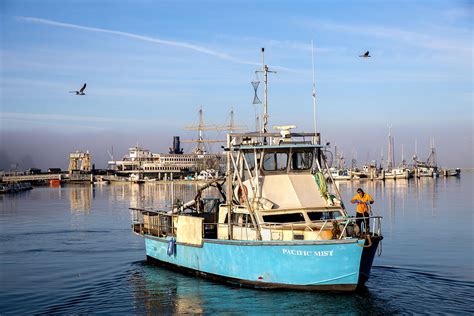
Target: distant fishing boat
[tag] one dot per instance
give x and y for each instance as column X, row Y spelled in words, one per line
column 340, row 174
column 398, row 173
column 402, row 171
column 357, row 174
column 423, row 170
column 277, row 223
column 339, row 171
column 428, row 168
column 451, row 172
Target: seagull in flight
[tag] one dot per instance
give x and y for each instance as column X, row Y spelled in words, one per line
column 366, row 55
column 80, row 92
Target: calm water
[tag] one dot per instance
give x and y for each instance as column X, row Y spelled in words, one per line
column 70, row 250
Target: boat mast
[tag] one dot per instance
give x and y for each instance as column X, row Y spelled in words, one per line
column 231, row 122
column 265, row 112
column 432, row 161
column 231, row 127
column 403, row 164
column 314, row 88
column 200, row 145
column 200, row 141
column 229, row 196
column 265, row 104
column 390, row 151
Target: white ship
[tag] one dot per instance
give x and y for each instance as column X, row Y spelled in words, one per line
column 142, row 163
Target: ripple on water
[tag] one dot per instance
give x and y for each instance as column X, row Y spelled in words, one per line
column 144, row 288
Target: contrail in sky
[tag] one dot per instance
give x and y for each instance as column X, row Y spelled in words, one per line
column 18, row 116
column 138, row 37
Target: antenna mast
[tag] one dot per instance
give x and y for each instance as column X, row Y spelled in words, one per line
column 257, row 123
column 265, row 104
column 314, row 88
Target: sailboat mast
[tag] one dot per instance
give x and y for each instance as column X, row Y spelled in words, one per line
column 403, row 155
column 390, row 151
column 200, row 130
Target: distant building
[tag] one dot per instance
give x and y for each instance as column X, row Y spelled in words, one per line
column 33, row 171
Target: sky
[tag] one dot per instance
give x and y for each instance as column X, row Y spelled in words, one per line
column 151, row 65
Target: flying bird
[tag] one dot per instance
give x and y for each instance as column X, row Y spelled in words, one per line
column 80, row 92
column 366, row 55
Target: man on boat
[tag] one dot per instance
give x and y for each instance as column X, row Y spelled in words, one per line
column 362, row 200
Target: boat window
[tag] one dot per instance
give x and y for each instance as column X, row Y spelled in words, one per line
column 301, row 160
column 284, row 218
column 275, row 161
column 318, row 216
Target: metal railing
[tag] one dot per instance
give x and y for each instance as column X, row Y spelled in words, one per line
column 316, row 225
column 161, row 224
column 153, row 223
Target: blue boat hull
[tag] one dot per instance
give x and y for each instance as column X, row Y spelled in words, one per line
column 368, row 255
column 325, row 265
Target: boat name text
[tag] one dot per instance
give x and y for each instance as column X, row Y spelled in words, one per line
column 306, row 253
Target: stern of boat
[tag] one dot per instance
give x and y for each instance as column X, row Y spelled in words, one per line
column 367, row 258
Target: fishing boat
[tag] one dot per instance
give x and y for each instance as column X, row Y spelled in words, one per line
column 340, row 174
column 423, row 170
column 398, row 173
column 451, row 172
column 276, row 222
column 339, row 171
column 357, row 174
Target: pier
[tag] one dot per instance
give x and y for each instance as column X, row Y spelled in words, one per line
column 62, row 177
column 32, row 177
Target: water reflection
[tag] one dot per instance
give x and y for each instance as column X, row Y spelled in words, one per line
column 154, row 195
column 159, row 291
column 392, row 197
column 80, row 198
column 147, row 196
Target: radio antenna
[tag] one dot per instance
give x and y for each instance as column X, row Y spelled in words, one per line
column 314, row 87
column 265, row 71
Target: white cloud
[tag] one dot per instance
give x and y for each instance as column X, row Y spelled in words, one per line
column 16, row 116
column 155, row 40
column 412, row 38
